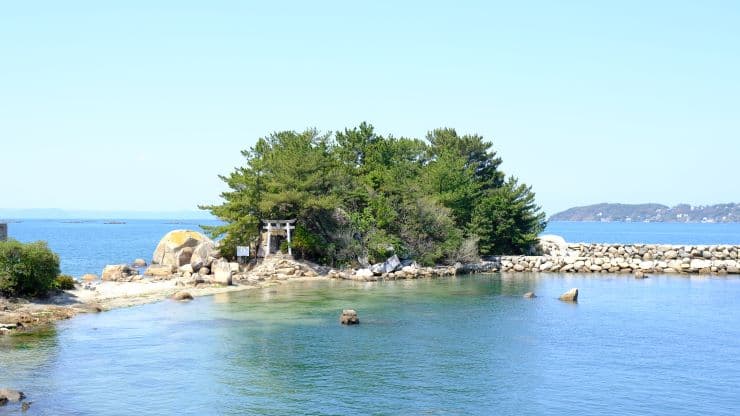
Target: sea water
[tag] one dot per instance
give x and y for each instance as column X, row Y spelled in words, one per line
column 463, row 346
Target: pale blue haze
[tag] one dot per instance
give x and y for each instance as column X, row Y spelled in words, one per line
column 139, row 105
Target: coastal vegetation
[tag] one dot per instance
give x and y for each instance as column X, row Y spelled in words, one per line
column 27, row 269
column 362, row 196
column 718, row 213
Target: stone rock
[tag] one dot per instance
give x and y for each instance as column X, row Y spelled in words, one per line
column 117, row 272
column 222, row 273
column 349, row 317
column 176, row 248
column 139, row 263
column 203, row 255
column 391, row 264
column 698, row 264
column 204, row 271
column 364, row 273
column 670, row 255
column 570, row 296
column 89, row 277
column 185, row 269
column 529, row 295
column 640, row 275
column 160, row 270
column 378, row 268
column 12, row 395
column 182, row 295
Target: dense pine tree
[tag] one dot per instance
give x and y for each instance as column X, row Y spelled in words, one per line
column 361, row 196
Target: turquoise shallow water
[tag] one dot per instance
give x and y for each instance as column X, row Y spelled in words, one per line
column 468, row 345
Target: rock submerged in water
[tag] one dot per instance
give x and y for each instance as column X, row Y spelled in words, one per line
column 570, row 296
column 640, row 275
column 349, row 317
column 10, row 395
column 529, row 295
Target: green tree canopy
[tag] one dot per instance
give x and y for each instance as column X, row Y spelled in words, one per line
column 360, row 196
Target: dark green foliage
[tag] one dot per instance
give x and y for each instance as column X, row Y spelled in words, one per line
column 64, row 282
column 507, row 220
column 27, row 269
column 359, row 196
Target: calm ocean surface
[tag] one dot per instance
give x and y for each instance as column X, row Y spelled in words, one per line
column 667, row 345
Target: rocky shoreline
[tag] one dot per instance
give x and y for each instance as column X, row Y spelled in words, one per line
column 558, row 256
column 206, row 273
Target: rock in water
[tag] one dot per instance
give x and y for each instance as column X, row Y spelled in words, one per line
column 139, row 263
column 349, row 317
column 570, row 296
column 182, row 295
column 640, row 275
column 12, row 395
column 176, row 248
column 530, row 295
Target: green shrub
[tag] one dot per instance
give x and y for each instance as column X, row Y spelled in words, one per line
column 27, row 269
column 64, row 282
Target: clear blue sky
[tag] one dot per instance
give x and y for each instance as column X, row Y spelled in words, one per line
column 140, row 106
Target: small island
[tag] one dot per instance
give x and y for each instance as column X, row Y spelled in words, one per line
column 682, row 213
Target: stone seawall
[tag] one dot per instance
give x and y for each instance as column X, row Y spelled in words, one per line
column 561, row 257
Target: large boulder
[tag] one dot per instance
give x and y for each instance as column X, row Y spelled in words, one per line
column 222, row 273
column 392, row 264
column 118, row 273
column 177, row 247
column 203, row 255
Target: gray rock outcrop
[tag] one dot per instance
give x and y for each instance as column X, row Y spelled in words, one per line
column 349, row 317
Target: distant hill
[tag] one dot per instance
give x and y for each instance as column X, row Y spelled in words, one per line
column 651, row 213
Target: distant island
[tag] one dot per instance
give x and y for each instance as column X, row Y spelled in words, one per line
column 719, row 213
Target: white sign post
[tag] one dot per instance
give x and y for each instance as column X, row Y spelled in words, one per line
column 242, row 252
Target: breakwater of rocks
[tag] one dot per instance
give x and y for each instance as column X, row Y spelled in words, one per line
column 559, row 256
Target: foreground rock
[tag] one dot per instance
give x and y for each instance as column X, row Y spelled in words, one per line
column 177, row 247
column 182, row 295
column 570, row 296
column 529, row 295
column 11, row 395
column 349, row 317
